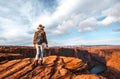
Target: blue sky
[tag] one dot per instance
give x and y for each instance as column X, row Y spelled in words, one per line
column 67, row 22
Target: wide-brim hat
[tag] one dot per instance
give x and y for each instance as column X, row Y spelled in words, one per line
column 40, row 26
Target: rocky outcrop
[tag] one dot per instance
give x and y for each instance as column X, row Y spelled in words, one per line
column 54, row 67
column 108, row 55
column 29, row 52
column 60, row 62
column 88, row 76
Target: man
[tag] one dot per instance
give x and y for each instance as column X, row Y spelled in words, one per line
column 39, row 42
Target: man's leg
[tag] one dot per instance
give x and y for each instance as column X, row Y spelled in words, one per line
column 37, row 56
column 37, row 52
column 42, row 52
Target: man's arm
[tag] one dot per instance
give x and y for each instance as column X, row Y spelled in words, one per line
column 34, row 39
column 45, row 39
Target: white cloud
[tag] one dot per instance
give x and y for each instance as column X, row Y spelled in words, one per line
column 60, row 17
column 19, row 18
column 108, row 20
column 87, row 25
column 63, row 28
column 81, row 41
column 112, row 14
column 77, row 12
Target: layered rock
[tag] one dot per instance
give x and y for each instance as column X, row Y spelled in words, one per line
column 54, row 67
column 11, row 56
column 88, row 76
column 108, row 55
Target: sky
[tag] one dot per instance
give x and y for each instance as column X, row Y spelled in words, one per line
column 67, row 22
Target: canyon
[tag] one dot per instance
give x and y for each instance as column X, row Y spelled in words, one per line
column 60, row 62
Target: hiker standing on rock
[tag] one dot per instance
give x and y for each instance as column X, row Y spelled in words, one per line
column 39, row 41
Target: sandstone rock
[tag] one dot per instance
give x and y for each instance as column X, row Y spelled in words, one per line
column 75, row 65
column 60, row 62
column 113, row 66
column 88, row 76
column 54, row 67
column 50, row 61
column 114, row 60
column 109, row 55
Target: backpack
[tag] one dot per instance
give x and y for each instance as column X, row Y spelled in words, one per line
column 39, row 38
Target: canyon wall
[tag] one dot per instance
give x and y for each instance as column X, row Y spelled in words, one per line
column 90, row 55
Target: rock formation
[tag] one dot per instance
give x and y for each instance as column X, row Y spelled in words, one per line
column 59, row 62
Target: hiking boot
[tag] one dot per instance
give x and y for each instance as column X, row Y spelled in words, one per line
column 35, row 64
column 41, row 62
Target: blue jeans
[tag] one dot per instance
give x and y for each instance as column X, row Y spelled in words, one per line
column 40, row 51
